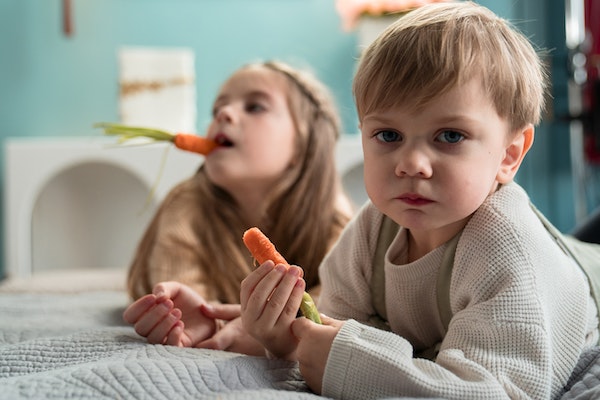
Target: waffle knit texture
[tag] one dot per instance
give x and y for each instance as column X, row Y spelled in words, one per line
column 522, row 311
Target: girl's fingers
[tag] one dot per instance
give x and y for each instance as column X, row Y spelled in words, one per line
column 279, row 305
column 249, row 283
column 153, row 317
column 166, row 290
column 282, row 302
column 292, row 305
column 226, row 312
column 262, row 294
column 136, row 309
column 174, row 336
column 160, row 332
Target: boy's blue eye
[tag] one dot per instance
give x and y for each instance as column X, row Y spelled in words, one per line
column 451, row 137
column 388, row 136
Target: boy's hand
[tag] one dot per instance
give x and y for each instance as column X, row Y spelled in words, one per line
column 314, row 344
column 270, row 298
column 171, row 315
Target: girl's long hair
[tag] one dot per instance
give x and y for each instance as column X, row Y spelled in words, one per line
column 306, row 210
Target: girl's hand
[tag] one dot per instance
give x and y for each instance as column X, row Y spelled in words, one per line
column 314, row 344
column 232, row 336
column 171, row 315
column 270, row 298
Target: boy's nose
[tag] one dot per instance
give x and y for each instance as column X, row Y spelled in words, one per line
column 413, row 163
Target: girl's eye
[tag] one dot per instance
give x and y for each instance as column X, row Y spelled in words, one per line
column 388, row 136
column 255, row 107
column 450, row 137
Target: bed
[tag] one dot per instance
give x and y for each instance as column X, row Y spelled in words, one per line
column 62, row 336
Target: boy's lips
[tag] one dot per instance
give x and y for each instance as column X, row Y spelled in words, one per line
column 414, row 199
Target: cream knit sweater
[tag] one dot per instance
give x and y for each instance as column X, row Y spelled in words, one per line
column 522, row 312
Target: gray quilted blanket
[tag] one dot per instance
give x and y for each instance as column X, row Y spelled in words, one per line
column 585, row 380
column 75, row 345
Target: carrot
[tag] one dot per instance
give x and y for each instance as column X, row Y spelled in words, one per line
column 194, row 143
column 262, row 249
column 183, row 141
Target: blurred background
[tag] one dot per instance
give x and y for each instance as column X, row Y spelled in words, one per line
column 61, row 64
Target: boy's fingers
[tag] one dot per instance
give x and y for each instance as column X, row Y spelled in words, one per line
column 301, row 326
column 136, row 309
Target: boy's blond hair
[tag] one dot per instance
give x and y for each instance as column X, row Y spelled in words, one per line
column 435, row 47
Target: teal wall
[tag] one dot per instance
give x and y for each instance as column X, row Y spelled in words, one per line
column 53, row 85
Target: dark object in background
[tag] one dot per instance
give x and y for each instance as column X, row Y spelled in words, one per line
column 589, row 230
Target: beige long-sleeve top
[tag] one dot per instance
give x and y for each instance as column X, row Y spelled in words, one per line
column 522, row 311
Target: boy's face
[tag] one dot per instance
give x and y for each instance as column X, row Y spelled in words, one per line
column 430, row 169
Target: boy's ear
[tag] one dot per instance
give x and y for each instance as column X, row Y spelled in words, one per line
column 514, row 154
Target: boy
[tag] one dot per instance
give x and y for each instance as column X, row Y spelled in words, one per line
column 447, row 100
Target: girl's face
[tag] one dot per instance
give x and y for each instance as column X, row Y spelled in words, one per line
column 430, row 169
column 254, row 127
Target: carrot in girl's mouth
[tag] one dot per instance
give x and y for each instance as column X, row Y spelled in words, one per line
column 262, row 249
column 183, row 141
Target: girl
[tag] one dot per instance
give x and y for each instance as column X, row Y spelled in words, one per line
column 275, row 169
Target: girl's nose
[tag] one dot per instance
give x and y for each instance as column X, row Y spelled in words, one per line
column 225, row 113
column 413, row 163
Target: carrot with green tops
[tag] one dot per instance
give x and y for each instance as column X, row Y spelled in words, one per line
column 183, row 141
column 262, row 249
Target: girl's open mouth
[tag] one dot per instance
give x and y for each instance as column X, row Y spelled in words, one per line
column 223, row 141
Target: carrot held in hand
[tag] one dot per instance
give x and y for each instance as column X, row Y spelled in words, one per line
column 183, row 141
column 262, row 249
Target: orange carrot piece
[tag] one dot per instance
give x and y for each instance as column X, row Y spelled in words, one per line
column 261, row 247
column 194, row 143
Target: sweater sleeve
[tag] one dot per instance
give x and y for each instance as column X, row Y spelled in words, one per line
column 368, row 363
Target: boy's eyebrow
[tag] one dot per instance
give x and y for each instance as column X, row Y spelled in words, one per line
column 379, row 117
column 388, row 117
column 456, row 117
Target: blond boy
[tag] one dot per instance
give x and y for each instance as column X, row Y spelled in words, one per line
column 447, row 99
